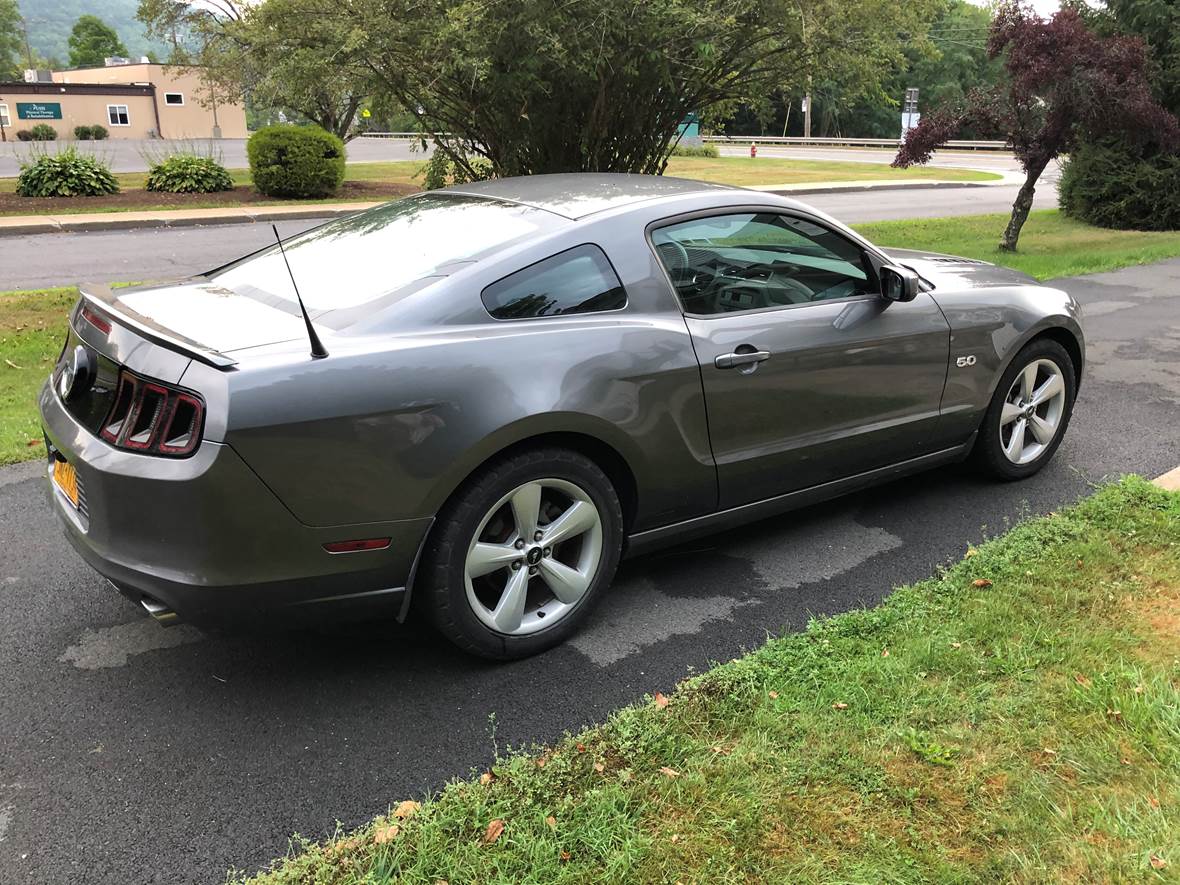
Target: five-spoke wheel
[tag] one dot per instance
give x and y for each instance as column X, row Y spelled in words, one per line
column 533, row 556
column 519, row 553
column 1029, row 412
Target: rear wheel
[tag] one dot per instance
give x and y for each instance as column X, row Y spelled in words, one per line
column 521, row 552
column 1029, row 412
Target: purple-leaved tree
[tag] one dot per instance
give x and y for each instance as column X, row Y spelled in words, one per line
column 1064, row 82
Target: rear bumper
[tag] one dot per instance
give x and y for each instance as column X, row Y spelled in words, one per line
column 204, row 537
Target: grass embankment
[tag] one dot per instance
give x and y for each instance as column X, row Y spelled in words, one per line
column 32, row 330
column 367, row 182
column 1051, row 245
column 1016, row 718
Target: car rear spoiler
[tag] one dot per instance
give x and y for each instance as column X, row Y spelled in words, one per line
column 102, row 296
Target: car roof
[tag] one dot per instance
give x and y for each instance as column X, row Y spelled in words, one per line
column 575, row 195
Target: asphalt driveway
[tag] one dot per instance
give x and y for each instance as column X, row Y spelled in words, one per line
column 129, row 753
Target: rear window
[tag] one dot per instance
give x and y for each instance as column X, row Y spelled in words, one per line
column 353, row 261
column 578, row 280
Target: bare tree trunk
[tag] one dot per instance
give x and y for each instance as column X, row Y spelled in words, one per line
column 1021, row 207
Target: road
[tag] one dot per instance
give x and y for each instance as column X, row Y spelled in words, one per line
column 130, row 753
column 164, row 253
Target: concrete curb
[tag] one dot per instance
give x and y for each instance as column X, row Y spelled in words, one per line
column 864, row 187
column 50, row 224
column 1169, row 480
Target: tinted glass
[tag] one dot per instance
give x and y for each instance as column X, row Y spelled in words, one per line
column 579, row 280
column 751, row 261
column 355, row 260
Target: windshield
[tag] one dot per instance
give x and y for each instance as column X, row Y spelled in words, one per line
column 353, row 261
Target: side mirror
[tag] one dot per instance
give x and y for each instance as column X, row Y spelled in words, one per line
column 898, row 283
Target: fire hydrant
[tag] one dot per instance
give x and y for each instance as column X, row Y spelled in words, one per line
column 753, row 150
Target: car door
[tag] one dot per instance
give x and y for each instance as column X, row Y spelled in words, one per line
column 809, row 374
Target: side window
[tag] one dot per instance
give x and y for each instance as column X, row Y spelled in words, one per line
column 578, row 280
column 750, row 261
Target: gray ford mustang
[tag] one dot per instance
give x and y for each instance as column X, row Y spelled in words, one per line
column 475, row 400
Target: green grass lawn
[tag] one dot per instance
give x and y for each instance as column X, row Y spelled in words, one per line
column 1051, row 245
column 32, row 332
column 1015, row 718
column 728, row 170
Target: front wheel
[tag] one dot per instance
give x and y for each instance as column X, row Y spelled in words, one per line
column 1029, row 412
column 521, row 552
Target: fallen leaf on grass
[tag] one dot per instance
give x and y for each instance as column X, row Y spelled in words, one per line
column 541, row 761
column 565, row 855
column 1157, row 862
column 773, row 695
column 884, row 652
column 981, row 582
column 956, row 645
column 669, row 772
column 405, row 809
column 33, row 442
column 495, row 828
column 971, row 551
column 385, row 834
column 1115, row 714
column 599, row 767
column 1081, row 680
column 11, row 364
column 551, row 822
column 839, row 705
column 486, row 778
column 660, row 700
column 722, row 751
column 581, row 748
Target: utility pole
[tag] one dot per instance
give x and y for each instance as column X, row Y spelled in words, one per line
column 807, row 110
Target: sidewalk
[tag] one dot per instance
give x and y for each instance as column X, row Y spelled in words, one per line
column 45, row 224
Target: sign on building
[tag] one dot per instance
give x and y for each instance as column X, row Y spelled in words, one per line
column 38, row 110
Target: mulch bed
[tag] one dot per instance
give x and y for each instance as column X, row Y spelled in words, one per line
column 242, row 195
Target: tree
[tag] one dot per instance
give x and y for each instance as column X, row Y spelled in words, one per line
column 11, row 45
column 602, row 85
column 283, row 54
column 1064, row 82
column 92, row 41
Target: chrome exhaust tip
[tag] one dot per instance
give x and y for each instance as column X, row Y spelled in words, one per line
column 163, row 615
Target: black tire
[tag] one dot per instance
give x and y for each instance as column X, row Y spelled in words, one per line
column 440, row 590
column 989, row 452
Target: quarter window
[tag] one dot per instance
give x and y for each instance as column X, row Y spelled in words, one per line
column 117, row 114
column 756, row 260
column 175, row 98
column 578, row 280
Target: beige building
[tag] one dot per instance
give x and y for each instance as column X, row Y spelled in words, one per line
column 138, row 100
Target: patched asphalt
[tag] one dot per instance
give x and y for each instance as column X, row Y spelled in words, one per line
column 133, row 754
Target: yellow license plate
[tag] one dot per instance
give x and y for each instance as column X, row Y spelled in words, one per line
column 65, row 477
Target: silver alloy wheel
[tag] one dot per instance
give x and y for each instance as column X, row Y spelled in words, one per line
column 533, row 557
column 1032, row 411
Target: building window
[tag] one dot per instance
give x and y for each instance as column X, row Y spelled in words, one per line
column 5, row 120
column 176, row 98
column 117, row 114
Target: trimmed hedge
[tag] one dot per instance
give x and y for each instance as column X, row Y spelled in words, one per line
column 90, row 133
column 696, row 150
column 43, row 132
column 295, row 161
column 1113, row 185
column 188, row 174
column 68, row 174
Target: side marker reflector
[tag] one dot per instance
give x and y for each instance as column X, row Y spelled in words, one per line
column 358, row 545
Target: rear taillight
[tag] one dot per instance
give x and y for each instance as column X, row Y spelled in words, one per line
column 153, row 418
column 96, row 319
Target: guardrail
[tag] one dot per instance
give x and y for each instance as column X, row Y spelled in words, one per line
column 892, row 143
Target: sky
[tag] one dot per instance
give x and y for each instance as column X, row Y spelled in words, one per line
column 1043, row 7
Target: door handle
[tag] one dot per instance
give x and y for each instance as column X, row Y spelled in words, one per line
column 741, row 358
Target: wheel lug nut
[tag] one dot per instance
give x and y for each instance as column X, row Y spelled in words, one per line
column 516, row 566
column 519, row 544
column 538, row 536
column 546, row 551
column 532, row 569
